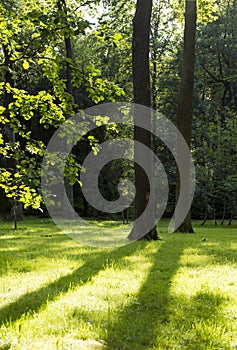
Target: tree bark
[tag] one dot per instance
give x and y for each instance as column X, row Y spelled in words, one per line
column 8, row 99
column 186, row 97
column 68, row 47
column 8, row 133
column 231, row 217
column 206, row 213
column 61, row 4
column 142, row 96
column 224, row 209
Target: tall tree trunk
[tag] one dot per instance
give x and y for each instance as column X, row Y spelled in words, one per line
column 186, row 98
column 206, row 212
column 142, row 96
column 61, row 4
column 8, row 99
column 224, row 209
column 155, row 55
column 8, row 133
column 231, row 215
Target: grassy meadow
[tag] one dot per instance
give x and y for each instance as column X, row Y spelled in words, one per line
column 178, row 293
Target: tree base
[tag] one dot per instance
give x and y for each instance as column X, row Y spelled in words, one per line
column 152, row 235
column 186, row 226
column 184, row 229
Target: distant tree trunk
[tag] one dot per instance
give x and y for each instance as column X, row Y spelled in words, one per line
column 8, row 133
column 155, row 55
column 85, row 206
column 214, row 212
column 231, row 216
column 142, row 96
column 61, row 4
column 224, row 209
column 186, row 97
column 206, row 213
column 8, row 98
column 125, row 216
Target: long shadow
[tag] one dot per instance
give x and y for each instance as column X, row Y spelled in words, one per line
column 150, row 316
column 20, row 251
column 33, row 301
column 136, row 325
column 204, row 323
column 222, row 256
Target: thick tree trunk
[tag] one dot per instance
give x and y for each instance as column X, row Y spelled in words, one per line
column 186, row 97
column 142, row 96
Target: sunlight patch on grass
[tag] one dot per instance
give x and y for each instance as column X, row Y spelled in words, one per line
column 87, row 310
column 99, row 235
column 179, row 293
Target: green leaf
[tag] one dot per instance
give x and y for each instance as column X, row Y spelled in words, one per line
column 26, row 65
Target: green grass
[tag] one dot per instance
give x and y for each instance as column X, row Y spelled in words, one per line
column 178, row 293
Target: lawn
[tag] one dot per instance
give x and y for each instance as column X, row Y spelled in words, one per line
column 178, row 293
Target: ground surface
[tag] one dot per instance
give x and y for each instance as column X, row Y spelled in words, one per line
column 178, row 293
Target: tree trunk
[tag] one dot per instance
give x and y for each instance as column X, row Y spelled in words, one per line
column 224, row 209
column 8, row 98
column 186, row 98
column 206, row 213
column 8, row 133
column 61, row 4
column 68, row 47
column 125, row 216
column 214, row 214
column 231, row 217
column 142, row 96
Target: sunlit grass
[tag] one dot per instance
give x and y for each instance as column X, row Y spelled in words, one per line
column 178, row 293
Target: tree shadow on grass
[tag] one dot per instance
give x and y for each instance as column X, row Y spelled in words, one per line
column 137, row 325
column 198, row 323
column 159, row 319
column 225, row 255
column 20, row 253
column 33, row 301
